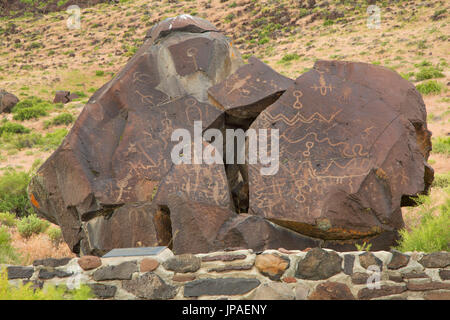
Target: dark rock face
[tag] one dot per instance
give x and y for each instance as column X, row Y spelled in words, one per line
column 319, row 264
column 51, row 262
column 368, row 259
column 18, row 272
column 7, row 101
column 398, row 260
column 129, row 226
column 183, row 263
column 436, row 260
column 360, row 278
column 245, row 231
column 353, row 147
column 196, row 225
column 349, row 262
column 331, row 291
column 384, row 290
column 223, row 286
column 444, row 274
column 353, row 143
column 123, row 271
column 62, row 97
column 150, row 286
column 248, row 91
column 118, row 152
column 103, row 290
column 46, row 274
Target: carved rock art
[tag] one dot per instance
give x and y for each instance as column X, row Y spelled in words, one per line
column 353, row 148
column 350, row 152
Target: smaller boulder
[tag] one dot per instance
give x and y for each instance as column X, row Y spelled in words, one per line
column 89, row 262
column 7, row 101
column 183, row 263
column 62, row 97
column 272, row 265
column 332, row 291
column 368, row 259
column 319, row 264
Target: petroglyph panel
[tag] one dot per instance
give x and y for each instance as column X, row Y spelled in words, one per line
column 249, row 90
column 206, row 183
column 118, row 151
column 344, row 155
column 192, row 55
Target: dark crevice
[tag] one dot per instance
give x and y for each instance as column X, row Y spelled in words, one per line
column 163, row 226
column 237, row 173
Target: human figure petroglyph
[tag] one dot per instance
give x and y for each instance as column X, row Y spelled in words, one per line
column 323, row 87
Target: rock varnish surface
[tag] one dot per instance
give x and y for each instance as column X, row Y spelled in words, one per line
column 353, row 145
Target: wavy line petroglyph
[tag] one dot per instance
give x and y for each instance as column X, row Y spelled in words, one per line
column 347, row 151
column 316, row 116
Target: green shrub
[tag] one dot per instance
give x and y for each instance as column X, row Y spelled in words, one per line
column 289, row 57
column 55, row 234
column 7, row 252
column 433, row 233
column 364, row 247
column 49, row 292
column 12, row 127
column 22, row 141
column 30, row 113
column 430, row 87
column 13, row 193
column 407, row 75
column 53, row 140
column 424, row 63
column 263, row 40
column 30, row 225
column 8, row 219
column 31, row 102
column 441, row 145
column 63, row 118
column 426, row 73
column 441, row 180
column 99, row 73
column 229, row 18
column 80, row 94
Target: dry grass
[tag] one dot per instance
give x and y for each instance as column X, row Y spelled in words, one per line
column 38, row 246
column 412, row 216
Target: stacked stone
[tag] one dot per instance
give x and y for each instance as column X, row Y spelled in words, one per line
column 314, row 274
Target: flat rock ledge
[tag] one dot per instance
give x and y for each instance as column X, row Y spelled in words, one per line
column 315, row 274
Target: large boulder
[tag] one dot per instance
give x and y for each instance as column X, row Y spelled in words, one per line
column 353, row 145
column 118, row 151
column 7, row 101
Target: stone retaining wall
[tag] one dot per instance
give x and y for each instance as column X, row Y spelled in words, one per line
column 244, row 274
